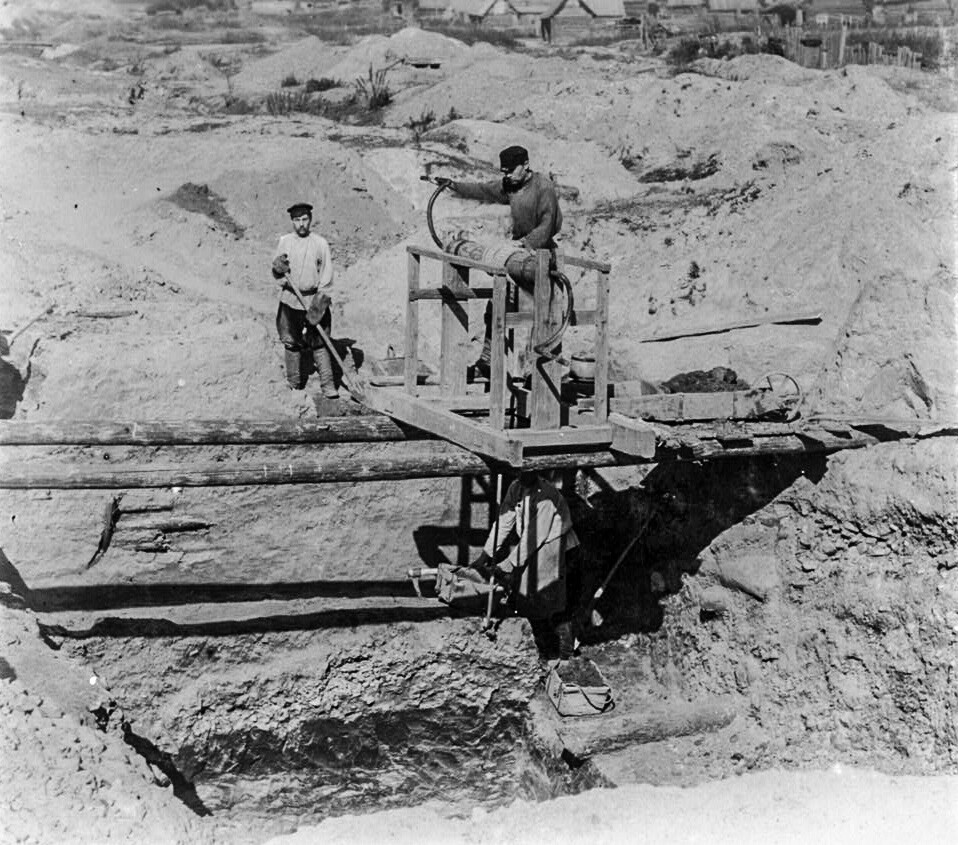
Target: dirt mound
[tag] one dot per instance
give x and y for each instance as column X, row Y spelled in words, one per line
column 65, row 776
column 309, row 58
column 378, row 52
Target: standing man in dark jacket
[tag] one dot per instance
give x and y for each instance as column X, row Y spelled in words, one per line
column 536, row 217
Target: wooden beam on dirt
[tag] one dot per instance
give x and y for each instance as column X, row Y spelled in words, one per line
column 357, row 429
column 588, row 736
column 746, row 323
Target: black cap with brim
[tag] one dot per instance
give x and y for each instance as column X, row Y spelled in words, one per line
column 299, row 209
column 511, row 157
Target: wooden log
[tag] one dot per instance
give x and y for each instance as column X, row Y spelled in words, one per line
column 811, row 317
column 391, row 462
column 358, row 429
column 585, row 738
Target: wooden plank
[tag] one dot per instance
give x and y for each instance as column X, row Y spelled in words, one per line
column 411, row 365
column 632, row 437
column 601, row 394
column 683, row 407
column 468, row 402
column 567, row 437
column 545, row 399
column 449, row 258
column 454, row 341
column 587, row 263
column 745, row 323
column 497, row 358
column 437, row 420
column 580, row 317
column 356, row 429
column 455, row 293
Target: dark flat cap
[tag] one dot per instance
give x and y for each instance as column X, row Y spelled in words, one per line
column 511, row 157
column 300, row 208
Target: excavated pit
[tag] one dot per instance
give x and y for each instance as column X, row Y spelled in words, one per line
column 268, row 731
column 811, row 598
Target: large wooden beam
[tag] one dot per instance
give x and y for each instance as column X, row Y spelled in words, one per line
column 357, row 429
column 433, row 418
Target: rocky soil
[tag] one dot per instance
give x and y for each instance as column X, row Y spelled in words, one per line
column 269, row 668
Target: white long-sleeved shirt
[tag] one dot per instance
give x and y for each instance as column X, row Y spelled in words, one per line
column 310, row 265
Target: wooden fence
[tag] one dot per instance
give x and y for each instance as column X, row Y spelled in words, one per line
column 829, row 48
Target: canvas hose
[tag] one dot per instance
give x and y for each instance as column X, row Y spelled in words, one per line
column 519, row 263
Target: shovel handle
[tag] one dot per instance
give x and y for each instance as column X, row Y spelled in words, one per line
column 351, row 381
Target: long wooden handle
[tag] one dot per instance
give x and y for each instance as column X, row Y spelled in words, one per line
column 350, row 377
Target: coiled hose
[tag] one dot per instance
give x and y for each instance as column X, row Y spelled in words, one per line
column 544, row 348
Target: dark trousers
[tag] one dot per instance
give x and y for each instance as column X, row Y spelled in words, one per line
column 303, row 347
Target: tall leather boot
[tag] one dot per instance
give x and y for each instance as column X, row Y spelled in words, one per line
column 324, row 367
column 294, row 369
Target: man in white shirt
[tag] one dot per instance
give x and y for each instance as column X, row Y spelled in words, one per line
column 304, row 261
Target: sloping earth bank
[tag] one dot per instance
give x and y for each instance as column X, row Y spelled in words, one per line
column 826, row 616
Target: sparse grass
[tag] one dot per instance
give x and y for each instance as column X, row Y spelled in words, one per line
column 324, row 84
column 374, row 89
column 287, row 102
column 238, row 105
column 420, row 125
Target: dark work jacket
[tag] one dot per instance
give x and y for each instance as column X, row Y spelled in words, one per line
column 536, row 218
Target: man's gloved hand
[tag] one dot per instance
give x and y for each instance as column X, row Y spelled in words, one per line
column 443, row 182
column 280, row 265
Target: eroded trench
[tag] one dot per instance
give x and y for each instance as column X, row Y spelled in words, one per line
column 268, row 729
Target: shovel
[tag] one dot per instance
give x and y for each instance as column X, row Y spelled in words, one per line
column 351, row 379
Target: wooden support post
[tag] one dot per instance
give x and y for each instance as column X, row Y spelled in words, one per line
column 601, row 395
column 454, row 344
column 841, row 45
column 547, row 375
column 497, row 363
column 411, row 365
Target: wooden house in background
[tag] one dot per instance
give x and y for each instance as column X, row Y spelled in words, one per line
column 503, row 14
column 730, row 10
column 568, row 20
column 431, row 9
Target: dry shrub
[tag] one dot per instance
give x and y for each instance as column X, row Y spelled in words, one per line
column 374, row 89
column 324, row 84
